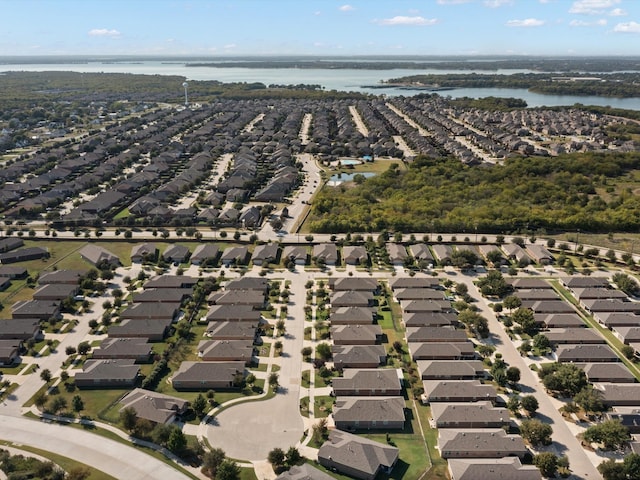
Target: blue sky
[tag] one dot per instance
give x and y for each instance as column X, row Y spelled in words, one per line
column 320, row 27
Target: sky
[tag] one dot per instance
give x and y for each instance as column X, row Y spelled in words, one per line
column 320, row 27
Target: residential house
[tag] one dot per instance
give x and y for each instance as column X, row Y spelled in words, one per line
column 581, row 281
column 397, row 253
column 611, row 372
column 326, row 252
column 155, row 330
column 355, row 255
column 560, row 320
column 265, row 254
column 356, row 334
column 457, row 391
column 516, row 253
column 176, row 253
column 226, row 350
column 352, row 316
column 369, row 413
column 627, row 335
column 296, row 254
column 234, row 256
column 151, row 310
column 356, row 284
column 451, row 369
column 610, row 305
column 205, row 253
column 231, row 331
column 68, row 277
column 420, row 251
column 412, row 306
column 549, row 306
column 9, row 351
column 20, row 329
column 619, row 394
column 23, row 255
column 368, row 382
column 442, row 253
column 559, row 336
column 248, row 283
column 442, row 351
column 55, row 292
column 491, row 469
column 137, row 349
column 430, row 319
column 233, row 313
column 539, row 253
column 436, row 334
column 162, row 295
column 304, row 472
column 145, row 252
column 254, row 298
column 155, row 407
column 469, row 415
column 627, row 416
column 585, row 354
column 414, row 282
column 408, row 294
column 208, row 375
column 40, row 309
column 97, row 255
column 530, row 284
column 358, row 356
column 11, row 272
column 351, row 298
column 612, row 319
column 10, row 243
column 171, row 281
column 480, row 443
column 356, row 456
column 107, row 374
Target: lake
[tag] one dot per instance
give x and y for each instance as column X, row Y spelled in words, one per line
column 338, row 178
column 330, row 79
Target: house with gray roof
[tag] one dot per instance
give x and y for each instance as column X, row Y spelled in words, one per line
column 436, row 334
column 176, row 253
column 442, row 350
column 508, row 468
column 248, row 283
column 613, row 319
column 457, row 391
column 581, row 281
column 397, row 253
column 151, row 310
column 619, row 394
column 358, row 334
column 613, row 372
column 451, row 369
column 352, row 316
column 412, row 306
column 480, row 443
column 559, row 320
column 97, row 255
column 55, row 292
column 598, row 293
column 204, row 376
column 351, row 298
column 355, row 456
column 23, row 255
column 233, row 313
column 107, row 374
column 254, row 298
column 40, row 309
column 205, row 253
column 627, row 335
column 358, row 356
column 530, row 284
column 369, row 413
column 404, row 294
column 430, row 319
column 162, row 295
column 69, row 277
column 326, row 252
column 154, row 329
column 585, row 354
column 264, row 254
column 153, row 406
column 610, row 305
column 355, row 255
column 469, row 415
column 414, row 282
column 226, row 350
column 559, row 336
column 368, row 382
column 539, row 253
column 221, row 330
column 144, row 252
column 137, row 349
column 516, row 253
column 304, row 472
column 170, row 281
column 356, row 284
column 420, row 251
column 20, row 329
column 295, row 253
column 234, row 256
column 13, row 272
column 9, row 351
column 442, row 253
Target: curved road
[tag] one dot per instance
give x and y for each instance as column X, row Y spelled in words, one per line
column 86, row 447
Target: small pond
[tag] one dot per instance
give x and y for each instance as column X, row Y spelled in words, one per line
column 339, row 178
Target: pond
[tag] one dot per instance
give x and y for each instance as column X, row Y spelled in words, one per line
column 338, row 178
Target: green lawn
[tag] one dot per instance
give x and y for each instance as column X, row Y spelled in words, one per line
column 323, row 406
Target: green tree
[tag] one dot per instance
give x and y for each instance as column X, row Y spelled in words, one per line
column 547, row 463
column 610, row 433
column 84, row 348
column 228, row 470
column 177, row 442
column 530, row 404
column 590, row 400
column 211, row 461
column 128, row 418
column 45, row 375
column 276, row 457
column 58, row 404
column 541, row 342
column 323, row 351
column 513, row 375
column 626, row 283
column 511, row 302
column 199, row 405
column 274, row 380
column 563, row 378
column 612, row 470
column 293, row 457
column 77, row 404
column 513, row 404
column 536, row 432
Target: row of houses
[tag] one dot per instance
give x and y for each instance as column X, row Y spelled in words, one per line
column 471, row 424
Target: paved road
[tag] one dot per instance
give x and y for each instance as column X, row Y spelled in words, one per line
column 564, row 441
column 249, row 431
column 113, row 458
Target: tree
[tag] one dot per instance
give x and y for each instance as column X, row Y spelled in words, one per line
column 177, row 441
column 306, row 352
column 58, row 404
column 199, row 405
column 530, row 404
column 293, row 457
column 276, row 457
column 590, row 400
column 610, row 433
column 541, row 342
column 211, row 461
column 128, row 418
column 77, row 404
column 513, row 375
column 627, row 351
column 70, row 350
column 281, row 327
column 511, row 302
column 494, row 284
column 485, row 350
column 274, row 380
column 228, row 470
column 626, row 283
column 40, row 400
column 547, row 463
column 45, row 375
column 513, row 404
column 536, row 432
column 320, row 431
column 84, row 348
column 323, row 351
column 78, row 473
column 563, row 378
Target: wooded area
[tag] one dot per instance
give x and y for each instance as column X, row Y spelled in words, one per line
column 590, row 192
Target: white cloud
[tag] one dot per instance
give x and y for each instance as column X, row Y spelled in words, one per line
column 592, row 7
column 497, row 3
column 317, row 13
column 453, row 2
column 527, row 22
column 618, row 12
column 103, row 32
column 628, row 27
column 346, row 8
column 403, row 20
column 582, row 23
column 230, row 46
